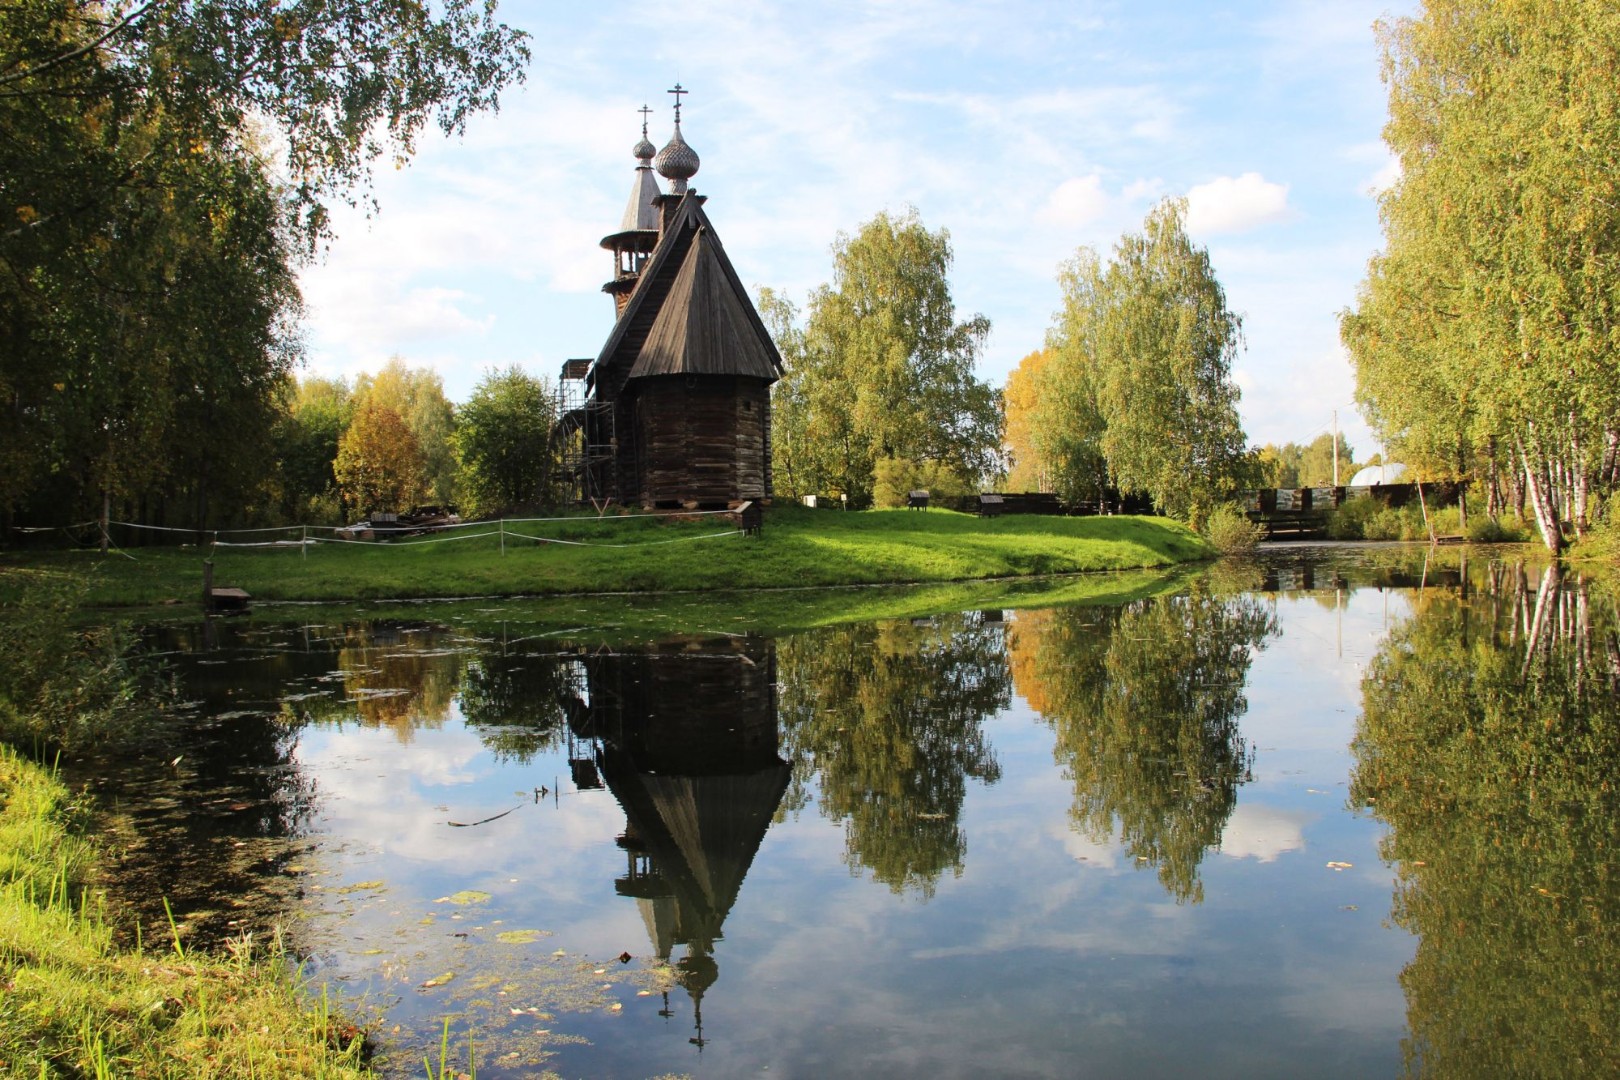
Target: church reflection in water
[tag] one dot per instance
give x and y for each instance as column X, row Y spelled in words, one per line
column 685, row 736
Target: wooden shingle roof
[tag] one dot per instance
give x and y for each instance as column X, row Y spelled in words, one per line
column 690, row 314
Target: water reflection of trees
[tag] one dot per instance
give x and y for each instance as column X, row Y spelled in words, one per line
column 889, row 717
column 400, row 676
column 1144, row 701
column 518, row 704
column 1490, row 743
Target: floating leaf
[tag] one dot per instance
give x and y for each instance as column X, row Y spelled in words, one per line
column 521, row 937
column 364, row 886
column 439, row 980
column 465, row 896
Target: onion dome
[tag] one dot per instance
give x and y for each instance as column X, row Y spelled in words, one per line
column 677, row 162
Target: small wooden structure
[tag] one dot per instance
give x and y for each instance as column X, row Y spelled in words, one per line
column 221, row 599
column 991, row 504
column 917, row 500
column 1305, row 512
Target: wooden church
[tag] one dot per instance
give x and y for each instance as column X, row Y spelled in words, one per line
column 675, row 412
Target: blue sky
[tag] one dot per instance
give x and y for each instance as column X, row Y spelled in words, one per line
column 1025, row 129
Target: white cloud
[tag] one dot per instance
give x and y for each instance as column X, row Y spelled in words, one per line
column 1236, row 204
column 1385, row 178
column 1077, row 201
column 1263, row 832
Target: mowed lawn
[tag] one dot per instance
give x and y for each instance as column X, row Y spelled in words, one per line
column 798, row 548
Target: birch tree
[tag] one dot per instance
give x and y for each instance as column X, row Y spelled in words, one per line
column 1141, row 386
column 1487, row 329
column 883, row 369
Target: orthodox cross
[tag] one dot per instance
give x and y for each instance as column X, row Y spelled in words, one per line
column 644, row 111
column 677, row 92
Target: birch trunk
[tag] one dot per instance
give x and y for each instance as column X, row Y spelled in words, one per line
column 1538, row 489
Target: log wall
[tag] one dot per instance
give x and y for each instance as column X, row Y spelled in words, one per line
column 701, row 441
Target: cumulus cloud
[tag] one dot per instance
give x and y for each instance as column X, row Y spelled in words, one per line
column 1385, row 178
column 1230, row 204
column 1077, row 201
column 1263, row 832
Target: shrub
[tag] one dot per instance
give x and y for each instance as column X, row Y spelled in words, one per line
column 1385, row 523
column 1230, row 531
column 1489, row 530
column 894, row 478
column 1349, row 522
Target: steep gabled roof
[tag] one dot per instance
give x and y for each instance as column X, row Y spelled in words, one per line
column 705, row 326
column 690, row 314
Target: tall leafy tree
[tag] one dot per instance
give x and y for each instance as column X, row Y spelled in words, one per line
column 379, row 462
column 146, row 340
column 1292, row 465
column 1028, row 467
column 883, row 369
column 1142, row 378
column 317, row 413
column 417, row 396
column 799, row 463
column 503, row 440
column 146, row 294
column 1486, row 330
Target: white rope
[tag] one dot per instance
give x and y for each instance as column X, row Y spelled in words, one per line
column 409, row 543
column 52, row 528
column 647, row 543
column 266, row 543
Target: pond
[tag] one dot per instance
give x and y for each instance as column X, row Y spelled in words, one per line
column 1344, row 813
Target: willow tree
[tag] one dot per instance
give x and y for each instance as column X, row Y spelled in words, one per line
column 883, row 370
column 1141, row 384
column 1487, row 328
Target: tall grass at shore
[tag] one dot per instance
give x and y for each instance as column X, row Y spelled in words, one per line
column 75, row 1005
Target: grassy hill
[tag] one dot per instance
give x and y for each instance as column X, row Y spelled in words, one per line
column 631, row 554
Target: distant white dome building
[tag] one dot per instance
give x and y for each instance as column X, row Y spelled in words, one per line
column 1391, row 473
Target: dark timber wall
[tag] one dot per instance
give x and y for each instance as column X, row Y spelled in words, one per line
column 701, row 440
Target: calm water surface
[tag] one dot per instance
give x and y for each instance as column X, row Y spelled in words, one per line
column 1329, row 814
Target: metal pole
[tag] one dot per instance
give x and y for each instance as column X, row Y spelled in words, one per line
column 1335, row 447
column 503, row 537
column 303, row 540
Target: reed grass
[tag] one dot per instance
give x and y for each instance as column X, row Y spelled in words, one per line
column 76, row 1005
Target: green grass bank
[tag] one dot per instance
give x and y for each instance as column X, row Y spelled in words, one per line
column 73, row 1004
column 798, row 548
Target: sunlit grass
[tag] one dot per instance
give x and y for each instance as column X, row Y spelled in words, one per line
column 798, row 548
column 76, row 1005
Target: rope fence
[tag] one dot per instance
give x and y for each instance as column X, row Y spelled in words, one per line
column 460, row 530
